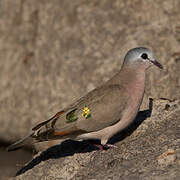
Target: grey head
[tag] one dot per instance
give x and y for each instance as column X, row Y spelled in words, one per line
column 141, row 56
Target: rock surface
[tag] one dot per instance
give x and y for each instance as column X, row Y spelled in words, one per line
column 53, row 52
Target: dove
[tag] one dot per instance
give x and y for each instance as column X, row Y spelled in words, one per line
column 104, row 111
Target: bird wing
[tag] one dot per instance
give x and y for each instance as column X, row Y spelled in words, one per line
column 101, row 108
column 98, row 109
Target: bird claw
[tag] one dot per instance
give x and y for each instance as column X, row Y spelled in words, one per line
column 104, row 146
column 110, row 146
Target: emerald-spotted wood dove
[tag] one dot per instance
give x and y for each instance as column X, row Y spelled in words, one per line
column 104, row 111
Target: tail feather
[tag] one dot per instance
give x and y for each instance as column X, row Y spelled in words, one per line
column 34, row 137
column 44, row 131
column 18, row 144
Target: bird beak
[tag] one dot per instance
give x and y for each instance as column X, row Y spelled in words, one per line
column 156, row 63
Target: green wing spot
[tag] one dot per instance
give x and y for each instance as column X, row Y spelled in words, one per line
column 71, row 117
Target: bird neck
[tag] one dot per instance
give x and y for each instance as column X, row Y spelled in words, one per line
column 130, row 77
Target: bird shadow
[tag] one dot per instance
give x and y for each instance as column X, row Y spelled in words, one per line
column 70, row 147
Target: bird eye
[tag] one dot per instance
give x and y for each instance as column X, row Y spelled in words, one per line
column 144, row 56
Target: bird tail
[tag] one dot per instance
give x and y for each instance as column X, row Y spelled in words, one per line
column 24, row 141
column 43, row 132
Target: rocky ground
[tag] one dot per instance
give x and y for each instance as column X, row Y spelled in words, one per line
column 53, row 52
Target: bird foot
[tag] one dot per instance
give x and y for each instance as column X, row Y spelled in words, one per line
column 109, row 146
column 104, row 146
column 99, row 147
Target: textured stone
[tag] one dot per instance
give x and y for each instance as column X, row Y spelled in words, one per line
column 167, row 157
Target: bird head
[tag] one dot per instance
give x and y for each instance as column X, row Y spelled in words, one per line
column 142, row 57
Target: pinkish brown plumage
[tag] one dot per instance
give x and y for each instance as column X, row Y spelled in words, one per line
column 104, row 111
